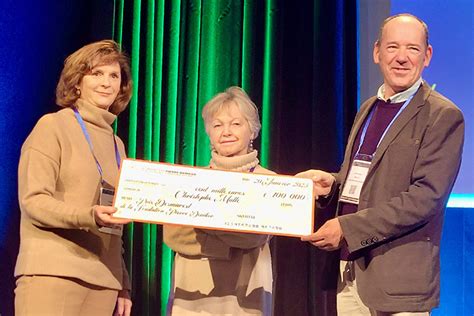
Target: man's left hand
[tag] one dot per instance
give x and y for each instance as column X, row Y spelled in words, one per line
column 329, row 237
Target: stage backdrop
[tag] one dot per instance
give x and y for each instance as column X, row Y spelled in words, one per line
column 35, row 37
column 297, row 60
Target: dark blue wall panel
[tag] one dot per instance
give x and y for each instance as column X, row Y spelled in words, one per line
column 35, row 37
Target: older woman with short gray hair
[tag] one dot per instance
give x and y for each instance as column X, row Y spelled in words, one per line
column 217, row 272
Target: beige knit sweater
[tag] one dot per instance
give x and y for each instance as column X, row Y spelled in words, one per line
column 218, row 272
column 58, row 183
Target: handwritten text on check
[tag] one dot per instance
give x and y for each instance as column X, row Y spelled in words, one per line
column 248, row 202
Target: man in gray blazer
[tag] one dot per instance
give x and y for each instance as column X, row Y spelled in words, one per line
column 400, row 164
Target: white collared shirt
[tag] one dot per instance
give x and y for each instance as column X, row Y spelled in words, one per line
column 400, row 96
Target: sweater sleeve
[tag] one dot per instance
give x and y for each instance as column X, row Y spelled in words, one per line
column 38, row 172
column 194, row 242
column 126, row 278
column 242, row 240
column 239, row 240
column 211, row 243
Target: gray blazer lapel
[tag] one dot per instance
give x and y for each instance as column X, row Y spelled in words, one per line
column 360, row 118
column 408, row 113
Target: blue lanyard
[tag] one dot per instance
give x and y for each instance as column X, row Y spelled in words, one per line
column 86, row 135
column 369, row 118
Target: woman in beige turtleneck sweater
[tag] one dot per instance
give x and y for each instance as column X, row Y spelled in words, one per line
column 215, row 272
column 70, row 259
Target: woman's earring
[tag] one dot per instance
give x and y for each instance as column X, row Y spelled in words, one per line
column 78, row 91
column 251, row 146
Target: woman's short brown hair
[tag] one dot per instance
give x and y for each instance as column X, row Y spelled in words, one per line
column 81, row 62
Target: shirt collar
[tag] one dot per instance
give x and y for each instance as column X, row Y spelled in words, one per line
column 401, row 96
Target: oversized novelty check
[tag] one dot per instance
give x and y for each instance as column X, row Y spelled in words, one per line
column 224, row 200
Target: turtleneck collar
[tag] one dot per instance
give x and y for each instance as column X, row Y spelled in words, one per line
column 95, row 115
column 240, row 163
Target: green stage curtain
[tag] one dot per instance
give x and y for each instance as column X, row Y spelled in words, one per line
column 297, row 61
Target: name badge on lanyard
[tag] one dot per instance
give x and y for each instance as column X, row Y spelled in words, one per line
column 106, row 192
column 361, row 164
column 355, row 179
column 106, row 198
